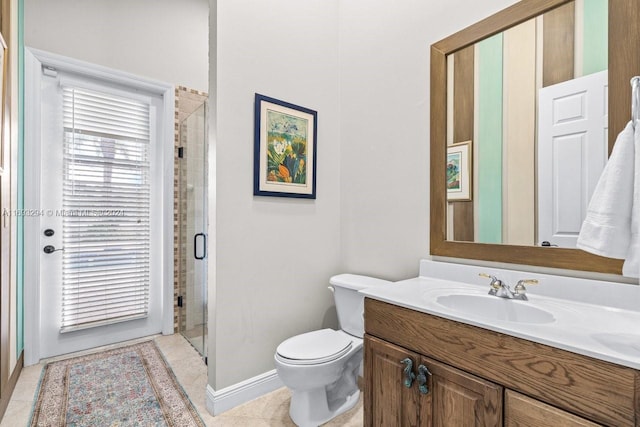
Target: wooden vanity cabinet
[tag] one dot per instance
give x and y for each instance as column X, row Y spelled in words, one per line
column 452, row 398
column 485, row 378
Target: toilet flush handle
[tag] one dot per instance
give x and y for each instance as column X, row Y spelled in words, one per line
column 331, row 288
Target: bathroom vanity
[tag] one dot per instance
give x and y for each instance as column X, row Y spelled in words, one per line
column 484, row 370
column 479, row 375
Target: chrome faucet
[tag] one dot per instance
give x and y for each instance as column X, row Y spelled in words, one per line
column 502, row 290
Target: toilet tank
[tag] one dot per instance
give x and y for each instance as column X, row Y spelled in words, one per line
column 349, row 302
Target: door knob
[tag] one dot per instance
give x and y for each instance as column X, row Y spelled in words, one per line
column 49, row 249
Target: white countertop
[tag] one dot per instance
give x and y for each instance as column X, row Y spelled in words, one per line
column 603, row 332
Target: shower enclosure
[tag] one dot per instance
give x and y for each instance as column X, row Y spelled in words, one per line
column 192, row 229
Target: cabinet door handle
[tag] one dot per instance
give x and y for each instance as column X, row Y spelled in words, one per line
column 409, row 376
column 422, row 379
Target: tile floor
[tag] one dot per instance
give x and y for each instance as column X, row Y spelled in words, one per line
column 269, row 410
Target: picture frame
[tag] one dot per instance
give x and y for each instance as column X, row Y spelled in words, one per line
column 459, row 178
column 285, row 146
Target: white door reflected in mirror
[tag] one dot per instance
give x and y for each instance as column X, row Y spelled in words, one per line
column 572, row 152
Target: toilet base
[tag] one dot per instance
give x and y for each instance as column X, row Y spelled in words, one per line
column 310, row 409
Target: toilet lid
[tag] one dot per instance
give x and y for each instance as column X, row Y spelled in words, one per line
column 315, row 347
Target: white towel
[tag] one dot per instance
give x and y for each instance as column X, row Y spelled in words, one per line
column 607, row 228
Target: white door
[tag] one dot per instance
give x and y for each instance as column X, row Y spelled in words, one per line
column 100, row 233
column 572, row 152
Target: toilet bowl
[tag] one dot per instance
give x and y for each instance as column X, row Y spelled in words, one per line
column 324, row 383
column 321, row 368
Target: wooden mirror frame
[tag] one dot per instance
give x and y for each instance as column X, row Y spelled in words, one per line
column 624, row 63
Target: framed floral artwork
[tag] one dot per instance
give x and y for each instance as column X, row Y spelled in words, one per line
column 285, row 149
column 459, row 172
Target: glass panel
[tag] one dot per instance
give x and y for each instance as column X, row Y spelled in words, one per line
column 192, row 205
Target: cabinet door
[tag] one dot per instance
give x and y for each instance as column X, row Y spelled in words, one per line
column 458, row 399
column 387, row 401
column 523, row 411
column 454, row 398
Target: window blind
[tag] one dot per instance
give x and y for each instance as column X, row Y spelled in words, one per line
column 106, row 207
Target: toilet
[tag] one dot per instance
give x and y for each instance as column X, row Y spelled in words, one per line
column 321, row 368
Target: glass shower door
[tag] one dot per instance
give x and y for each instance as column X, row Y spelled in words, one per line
column 193, row 228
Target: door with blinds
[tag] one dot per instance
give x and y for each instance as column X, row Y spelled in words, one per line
column 99, row 253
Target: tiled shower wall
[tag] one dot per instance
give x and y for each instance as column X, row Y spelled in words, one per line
column 186, row 102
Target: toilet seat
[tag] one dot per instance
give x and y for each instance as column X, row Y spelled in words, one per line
column 315, row 347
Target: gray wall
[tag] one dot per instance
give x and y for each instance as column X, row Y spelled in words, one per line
column 384, row 126
column 274, row 255
column 166, row 40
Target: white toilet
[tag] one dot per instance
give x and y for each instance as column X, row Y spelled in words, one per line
column 321, row 367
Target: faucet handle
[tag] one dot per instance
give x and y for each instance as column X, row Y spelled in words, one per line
column 520, row 289
column 495, row 282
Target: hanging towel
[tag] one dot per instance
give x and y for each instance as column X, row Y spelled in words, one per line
column 607, row 228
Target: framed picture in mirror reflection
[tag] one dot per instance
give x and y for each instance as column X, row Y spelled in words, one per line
column 459, row 172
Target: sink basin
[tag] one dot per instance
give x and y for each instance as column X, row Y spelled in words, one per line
column 494, row 308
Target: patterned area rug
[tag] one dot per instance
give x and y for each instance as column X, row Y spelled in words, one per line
column 128, row 386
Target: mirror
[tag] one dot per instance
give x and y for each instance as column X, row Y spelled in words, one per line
column 527, row 128
column 473, row 222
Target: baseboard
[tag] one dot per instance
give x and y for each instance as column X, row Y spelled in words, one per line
column 237, row 394
column 11, row 385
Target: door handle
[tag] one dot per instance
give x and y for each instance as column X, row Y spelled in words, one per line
column 407, row 371
column 423, row 379
column 195, row 246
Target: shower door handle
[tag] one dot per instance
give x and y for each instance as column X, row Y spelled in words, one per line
column 195, row 246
